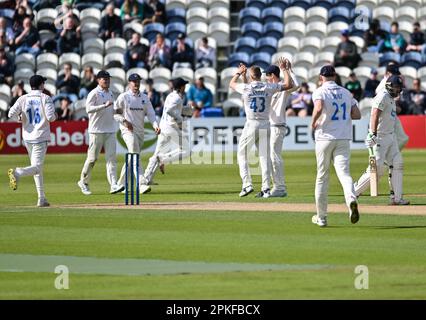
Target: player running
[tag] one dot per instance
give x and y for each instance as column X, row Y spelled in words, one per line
column 102, row 129
column 129, row 110
column 172, row 143
column 382, row 138
column 334, row 109
column 36, row 111
column 277, row 119
column 257, row 97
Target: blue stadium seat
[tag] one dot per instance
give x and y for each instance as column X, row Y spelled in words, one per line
column 389, row 57
column 245, row 44
column 151, row 30
column 272, row 14
column 252, row 29
column 339, row 14
column 261, row 59
column 248, row 15
column 260, row 4
column 238, row 57
column 176, row 15
column 349, row 4
column 273, row 29
column 354, row 31
column 212, row 112
column 412, row 59
column 305, row 4
column 173, row 30
column 325, row 3
column 283, row 4
column 267, row 44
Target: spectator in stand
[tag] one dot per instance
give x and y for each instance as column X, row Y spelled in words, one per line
column 67, row 84
column 205, row 54
column 154, row 11
column 7, row 67
column 301, row 102
column 403, row 101
column 18, row 18
column 418, row 98
column 199, row 97
column 66, row 13
column 111, row 25
column 373, row 37
column 159, row 53
column 354, row 86
column 28, row 41
column 136, row 55
column 64, row 112
column 346, row 53
column 8, row 31
column 371, row 85
column 131, row 10
column 394, row 40
column 182, row 53
column 88, row 83
column 417, row 39
column 69, row 38
column 17, row 91
column 155, row 97
column 166, row 93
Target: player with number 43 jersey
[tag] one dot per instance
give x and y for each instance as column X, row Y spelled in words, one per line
column 334, row 109
column 257, row 96
column 36, row 111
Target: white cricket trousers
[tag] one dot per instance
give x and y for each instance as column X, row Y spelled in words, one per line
column 255, row 132
column 96, row 142
column 387, row 149
column 277, row 162
column 172, row 145
column 37, row 153
column 338, row 152
column 134, row 143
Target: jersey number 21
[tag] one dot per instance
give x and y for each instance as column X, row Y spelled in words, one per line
column 336, row 111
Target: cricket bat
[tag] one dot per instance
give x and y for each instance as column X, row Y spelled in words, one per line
column 373, row 173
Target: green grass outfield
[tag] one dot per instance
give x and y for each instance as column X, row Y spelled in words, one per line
column 200, row 254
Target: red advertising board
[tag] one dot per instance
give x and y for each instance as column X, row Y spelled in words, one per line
column 65, row 137
column 415, row 128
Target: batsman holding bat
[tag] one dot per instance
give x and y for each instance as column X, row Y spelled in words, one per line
column 382, row 138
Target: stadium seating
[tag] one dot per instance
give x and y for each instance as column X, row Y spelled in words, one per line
column 245, row 44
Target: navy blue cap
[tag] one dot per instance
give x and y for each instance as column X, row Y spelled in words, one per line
column 344, row 32
column 103, row 74
column 179, row 82
column 135, row 77
column 273, row 69
column 328, row 71
column 36, row 80
column 395, row 80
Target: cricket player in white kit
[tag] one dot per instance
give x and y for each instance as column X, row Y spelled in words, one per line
column 257, row 96
column 334, row 109
column 277, row 119
column 382, row 138
column 102, row 130
column 172, row 143
column 130, row 110
column 36, row 111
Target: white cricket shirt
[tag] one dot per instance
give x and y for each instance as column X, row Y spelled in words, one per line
column 134, row 107
column 37, row 111
column 279, row 103
column 172, row 112
column 101, row 118
column 384, row 102
column 335, row 122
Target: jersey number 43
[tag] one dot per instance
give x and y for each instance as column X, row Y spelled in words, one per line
column 254, row 104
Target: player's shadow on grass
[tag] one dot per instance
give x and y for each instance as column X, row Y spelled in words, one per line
column 394, row 227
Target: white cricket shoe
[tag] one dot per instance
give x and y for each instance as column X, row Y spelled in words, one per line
column 278, row 193
column 353, row 212
column 143, row 188
column 401, row 202
column 115, row 188
column 43, row 203
column 84, row 188
column 322, row 222
column 246, row 191
column 264, row 194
